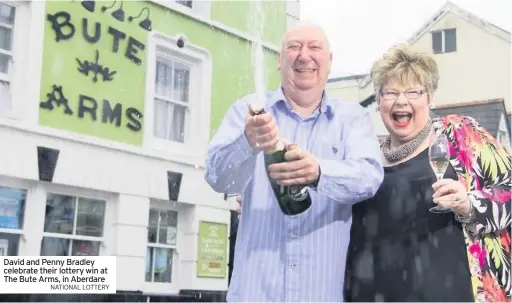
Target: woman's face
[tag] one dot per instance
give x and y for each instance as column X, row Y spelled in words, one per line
column 404, row 109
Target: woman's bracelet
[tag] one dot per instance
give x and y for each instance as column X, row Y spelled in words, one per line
column 470, row 218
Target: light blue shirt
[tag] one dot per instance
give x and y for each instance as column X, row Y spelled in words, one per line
column 302, row 257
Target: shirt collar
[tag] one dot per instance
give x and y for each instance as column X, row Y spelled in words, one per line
column 325, row 104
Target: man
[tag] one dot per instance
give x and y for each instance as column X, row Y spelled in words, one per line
column 335, row 151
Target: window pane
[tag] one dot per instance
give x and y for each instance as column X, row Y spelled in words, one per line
column 90, row 216
column 169, row 121
column 149, row 264
column 5, row 38
column 162, row 264
column 185, row 2
column 60, row 213
column 161, row 118
column 9, row 244
column 55, row 247
column 4, row 67
column 163, row 81
column 6, row 13
column 152, row 225
column 177, row 131
column 437, row 43
column 12, row 207
column 181, row 82
column 168, row 227
column 450, row 40
column 85, row 248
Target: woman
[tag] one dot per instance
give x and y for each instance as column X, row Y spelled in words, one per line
column 399, row 250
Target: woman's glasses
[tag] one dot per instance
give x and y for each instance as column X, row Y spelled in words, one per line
column 409, row 94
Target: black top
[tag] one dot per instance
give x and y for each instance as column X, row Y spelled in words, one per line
column 399, row 251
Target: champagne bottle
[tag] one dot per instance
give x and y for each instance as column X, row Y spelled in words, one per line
column 294, row 199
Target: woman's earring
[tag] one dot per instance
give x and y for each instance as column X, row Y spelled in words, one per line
column 432, row 106
column 377, row 108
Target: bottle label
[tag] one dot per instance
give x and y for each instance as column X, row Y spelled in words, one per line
column 298, row 192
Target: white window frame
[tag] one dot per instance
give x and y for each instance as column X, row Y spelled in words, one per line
column 173, row 286
column 201, row 8
column 443, row 40
column 21, row 232
column 197, row 122
column 171, row 59
column 14, row 75
column 73, row 236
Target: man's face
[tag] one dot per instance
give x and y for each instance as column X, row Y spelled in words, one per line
column 305, row 60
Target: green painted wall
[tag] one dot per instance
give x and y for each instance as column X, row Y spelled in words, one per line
column 232, row 71
column 235, row 14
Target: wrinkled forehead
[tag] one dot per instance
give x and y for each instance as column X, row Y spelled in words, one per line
column 305, row 34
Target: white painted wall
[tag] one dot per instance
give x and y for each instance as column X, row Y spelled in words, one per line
column 127, row 182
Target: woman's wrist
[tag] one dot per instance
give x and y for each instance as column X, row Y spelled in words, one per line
column 469, row 216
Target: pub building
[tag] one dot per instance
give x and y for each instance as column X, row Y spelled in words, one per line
column 106, row 111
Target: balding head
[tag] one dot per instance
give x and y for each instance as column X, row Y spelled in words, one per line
column 305, row 25
column 304, row 63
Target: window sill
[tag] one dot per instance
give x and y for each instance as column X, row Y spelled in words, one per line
column 440, row 53
column 156, row 288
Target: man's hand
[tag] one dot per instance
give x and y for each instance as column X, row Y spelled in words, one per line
column 300, row 167
column 261, row 130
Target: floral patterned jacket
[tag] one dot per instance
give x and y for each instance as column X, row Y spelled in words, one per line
column 484, row 167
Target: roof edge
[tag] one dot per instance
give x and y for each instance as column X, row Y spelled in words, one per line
column 471, row 103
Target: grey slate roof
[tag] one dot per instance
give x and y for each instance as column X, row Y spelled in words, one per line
column 487, row 113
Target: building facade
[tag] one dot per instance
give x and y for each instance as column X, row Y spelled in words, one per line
column 473, row 56
column 106, row 111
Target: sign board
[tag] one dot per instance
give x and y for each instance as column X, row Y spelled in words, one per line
column 93, row 71
column 212, row 250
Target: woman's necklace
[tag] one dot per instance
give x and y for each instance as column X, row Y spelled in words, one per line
column 405, row 150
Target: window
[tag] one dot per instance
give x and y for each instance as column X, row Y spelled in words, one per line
column 186, row 3
column 73, row 226
column 190, row 8
column 12, row 208
column 178, row 88
column 172, row 86
column 162, row 238
column 7, row 15
column 444, row 41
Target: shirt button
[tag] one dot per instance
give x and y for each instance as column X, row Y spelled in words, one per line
column 293, row 265
column 293, row 235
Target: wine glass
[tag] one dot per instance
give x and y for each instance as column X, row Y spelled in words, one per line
column 438, row 154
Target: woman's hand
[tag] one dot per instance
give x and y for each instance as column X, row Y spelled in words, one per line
column 452, row 194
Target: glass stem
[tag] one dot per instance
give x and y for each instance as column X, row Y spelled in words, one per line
column 439, row 176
